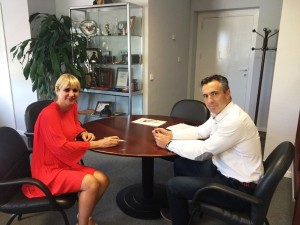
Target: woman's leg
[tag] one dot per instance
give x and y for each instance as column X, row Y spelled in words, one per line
column 92, row 189
column 104, row 182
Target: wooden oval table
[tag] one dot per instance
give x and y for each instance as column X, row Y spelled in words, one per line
column 142, row 200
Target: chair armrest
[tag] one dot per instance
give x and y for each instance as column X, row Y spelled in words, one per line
column 230, row 191
column 32, row 181
column 28, row 134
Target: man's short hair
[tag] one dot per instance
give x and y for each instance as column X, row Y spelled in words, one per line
column 223, row 80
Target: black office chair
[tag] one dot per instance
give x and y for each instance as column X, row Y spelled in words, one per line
column 15, row 171
column 191, row 110
column 31, row 114
column 275, row 167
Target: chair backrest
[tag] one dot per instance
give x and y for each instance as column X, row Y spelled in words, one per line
column 14, row 160
column 190, row 109
column 275, row 167
column 31, row 114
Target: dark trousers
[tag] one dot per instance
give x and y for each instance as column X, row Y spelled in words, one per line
column 189, row 176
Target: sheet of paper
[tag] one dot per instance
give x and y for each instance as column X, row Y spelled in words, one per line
column 149, row 122
column 179, row 126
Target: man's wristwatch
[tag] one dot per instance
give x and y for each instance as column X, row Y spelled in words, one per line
column 167, row 145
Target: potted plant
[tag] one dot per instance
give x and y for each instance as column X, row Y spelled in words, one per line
column 45, row 57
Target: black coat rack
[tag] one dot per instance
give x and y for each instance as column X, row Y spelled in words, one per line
column 264, row 49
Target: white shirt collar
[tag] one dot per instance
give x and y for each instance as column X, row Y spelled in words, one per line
column 223, row 113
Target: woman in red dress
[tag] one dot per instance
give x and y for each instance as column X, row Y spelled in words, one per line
column 56, row 152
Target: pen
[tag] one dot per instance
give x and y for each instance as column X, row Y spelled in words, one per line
column 120, row 140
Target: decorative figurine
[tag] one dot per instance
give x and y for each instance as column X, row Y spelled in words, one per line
column 94, row 58
column 107, row 29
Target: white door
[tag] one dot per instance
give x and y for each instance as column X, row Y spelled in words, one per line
column 224, row 42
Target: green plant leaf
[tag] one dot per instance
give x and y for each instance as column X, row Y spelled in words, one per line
column 53, row 47
column 26, row 70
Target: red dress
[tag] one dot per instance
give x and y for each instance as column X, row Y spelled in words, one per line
column 56, row 153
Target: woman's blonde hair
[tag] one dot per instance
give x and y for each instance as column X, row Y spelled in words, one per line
column 67, row 80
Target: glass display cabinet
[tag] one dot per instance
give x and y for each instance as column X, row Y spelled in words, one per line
column 114, row 72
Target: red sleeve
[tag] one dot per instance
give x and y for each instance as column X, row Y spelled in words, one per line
column 58, row 131
column 79, row 128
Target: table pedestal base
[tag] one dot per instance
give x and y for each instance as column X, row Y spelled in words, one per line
column 131, row 201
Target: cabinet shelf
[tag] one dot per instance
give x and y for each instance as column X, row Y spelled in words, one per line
column 114, row 54
column 78, row 31
column 116, row 93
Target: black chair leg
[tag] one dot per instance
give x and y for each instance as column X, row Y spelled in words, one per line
column 65, row 217
column 13, row 216
column 267, row 221
column 20, row 216
column 194, row 211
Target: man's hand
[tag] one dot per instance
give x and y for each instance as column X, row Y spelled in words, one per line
column 162, row 137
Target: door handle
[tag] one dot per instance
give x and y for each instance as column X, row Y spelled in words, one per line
column 243, row 70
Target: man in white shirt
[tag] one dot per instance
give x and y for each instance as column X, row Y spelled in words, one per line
column 225, row 149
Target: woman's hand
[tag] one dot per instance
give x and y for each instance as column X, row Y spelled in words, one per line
column 105, row 142
column 86, row 136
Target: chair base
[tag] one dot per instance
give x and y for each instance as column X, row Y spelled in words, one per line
column 11, row 219
column 13, row 216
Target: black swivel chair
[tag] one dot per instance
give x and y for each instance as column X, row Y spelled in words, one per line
column 15, row 171
column 31, row 114
column 191, row 110
column 275, row 167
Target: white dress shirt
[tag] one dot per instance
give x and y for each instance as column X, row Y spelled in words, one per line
column 231, row 138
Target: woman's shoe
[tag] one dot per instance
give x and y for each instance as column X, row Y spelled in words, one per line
column 91, row 221
column 165, row 214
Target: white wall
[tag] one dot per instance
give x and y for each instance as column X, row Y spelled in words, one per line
column 16, row 29
column 167, row 18
column 41, row 6
column 7, row 117
column 285, row 95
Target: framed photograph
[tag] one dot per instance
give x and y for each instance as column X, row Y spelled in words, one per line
column 93, row 55
column 103, row 108
column 122, row 78
column 104, row 77
column 106, row 53
column 122, row 27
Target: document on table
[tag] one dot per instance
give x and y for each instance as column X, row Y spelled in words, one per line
column 149, row 122
column 179, row 126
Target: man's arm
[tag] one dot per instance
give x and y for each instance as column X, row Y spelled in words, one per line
column 224, row 138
